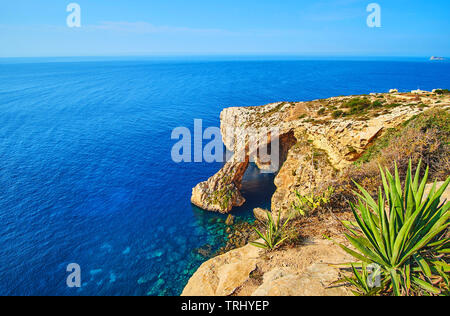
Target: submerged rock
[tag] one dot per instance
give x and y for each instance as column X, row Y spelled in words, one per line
column 230, row 220
column 205, row 251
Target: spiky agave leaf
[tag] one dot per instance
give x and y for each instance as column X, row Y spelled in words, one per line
column 401, row 231
column 274, row 231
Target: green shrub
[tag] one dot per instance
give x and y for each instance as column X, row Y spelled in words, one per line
column 358, row 106
column 425, row 136
column 307, row 204
column 321, row 111
column 442, row 91
column 276, row 109
column 404, row 234
column 337, row 114
column 377, row 104
column 433, row 119
column 357, row 103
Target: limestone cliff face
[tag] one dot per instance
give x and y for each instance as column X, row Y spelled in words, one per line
column 316, row 142
column 222, row 191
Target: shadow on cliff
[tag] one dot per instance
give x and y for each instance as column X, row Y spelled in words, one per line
column 257, row 189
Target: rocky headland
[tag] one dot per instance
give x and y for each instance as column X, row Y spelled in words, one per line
column 320, row 143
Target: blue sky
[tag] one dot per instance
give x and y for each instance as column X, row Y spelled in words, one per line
column 159, row 27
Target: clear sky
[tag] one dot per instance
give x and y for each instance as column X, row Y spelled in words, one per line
column 158, row 27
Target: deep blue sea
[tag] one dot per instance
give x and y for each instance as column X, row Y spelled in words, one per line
column 86, row 174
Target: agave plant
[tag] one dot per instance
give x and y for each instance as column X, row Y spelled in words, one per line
column 274, row 233
column 404, row 233
column 365, row 280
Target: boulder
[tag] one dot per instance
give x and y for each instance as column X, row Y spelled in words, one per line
column 260, row 214
column 222, row 275
column 230, row 220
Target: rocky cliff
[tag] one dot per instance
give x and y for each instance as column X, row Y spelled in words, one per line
column 317, row 139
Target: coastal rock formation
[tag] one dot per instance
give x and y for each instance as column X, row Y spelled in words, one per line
column 222, row 191
column 306, row 271
column 317, row 140
column 260, row 214
column 222, row 275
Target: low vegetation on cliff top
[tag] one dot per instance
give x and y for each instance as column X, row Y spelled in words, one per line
column 424, row 137
column 400, row 238
column 358, row 107
column 442, row 91
column 403, row 236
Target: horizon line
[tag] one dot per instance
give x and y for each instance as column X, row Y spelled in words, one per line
column 187, row 54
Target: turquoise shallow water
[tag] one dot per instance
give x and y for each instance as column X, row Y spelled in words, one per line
column 86, row 174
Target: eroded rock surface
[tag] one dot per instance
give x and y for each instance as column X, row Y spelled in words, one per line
column 221, row 192
column 316, row 281
column 222, row 275
column 315, row 143
column 302, row 271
